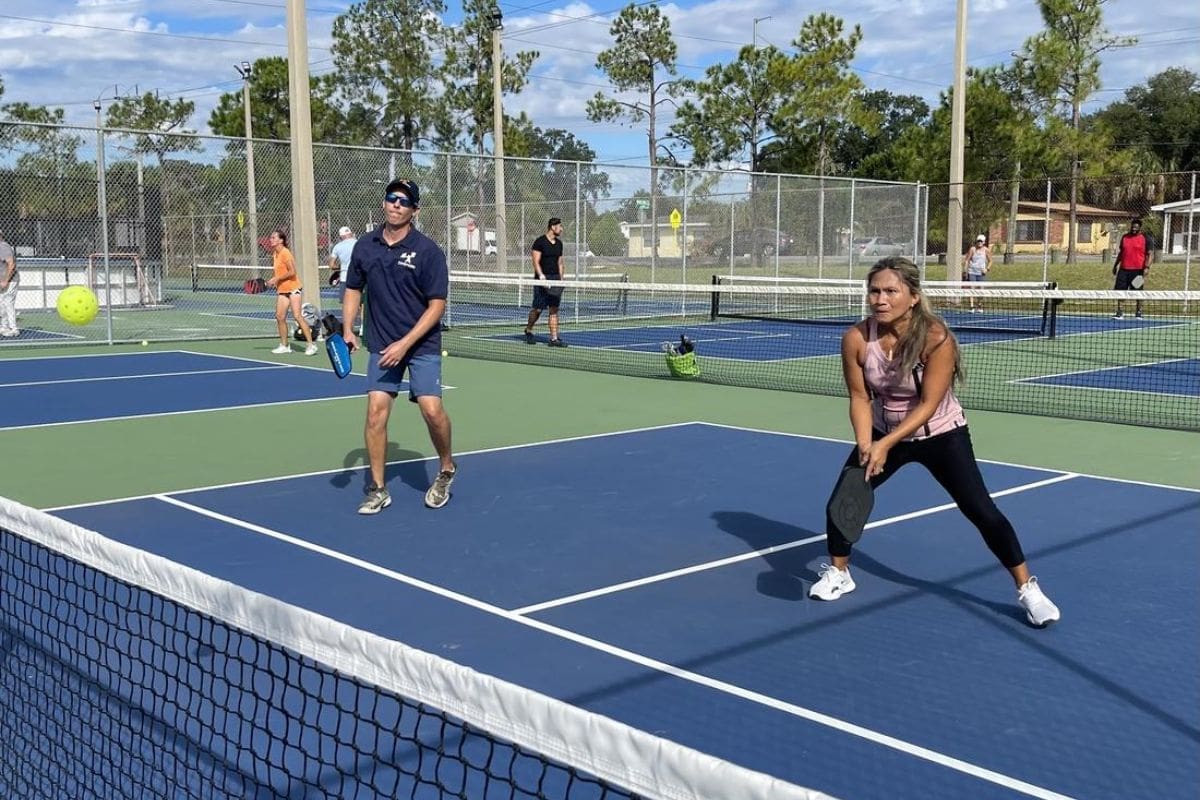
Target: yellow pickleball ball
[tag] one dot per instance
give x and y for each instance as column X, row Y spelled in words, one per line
column 77, row 305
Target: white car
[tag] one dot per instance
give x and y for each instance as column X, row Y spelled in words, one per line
column 879, row 246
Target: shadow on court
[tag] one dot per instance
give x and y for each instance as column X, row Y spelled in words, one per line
column 789, row 573
column 413, row 471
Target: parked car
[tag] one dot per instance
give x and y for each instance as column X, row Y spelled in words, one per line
column 759, row 242
column 879, row 246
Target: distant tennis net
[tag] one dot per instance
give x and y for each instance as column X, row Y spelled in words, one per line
column 127, row 675
column 845, row 302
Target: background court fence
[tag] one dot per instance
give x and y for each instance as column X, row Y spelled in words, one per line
column 180, row 200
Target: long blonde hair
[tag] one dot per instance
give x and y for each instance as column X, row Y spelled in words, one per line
column 912, row 346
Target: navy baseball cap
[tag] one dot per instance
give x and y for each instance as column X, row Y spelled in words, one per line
column 409, row 188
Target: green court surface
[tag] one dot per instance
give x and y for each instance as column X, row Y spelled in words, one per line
column 495, row 404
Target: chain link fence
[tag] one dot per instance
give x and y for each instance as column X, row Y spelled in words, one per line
column 177, row 227
column 175, row 230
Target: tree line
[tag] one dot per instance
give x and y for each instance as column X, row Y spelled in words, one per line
column 403, row 79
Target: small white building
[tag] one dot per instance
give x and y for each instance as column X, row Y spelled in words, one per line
column 469, row 238
column 1181, row 220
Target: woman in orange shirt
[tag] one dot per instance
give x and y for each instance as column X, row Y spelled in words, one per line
column 287, row 284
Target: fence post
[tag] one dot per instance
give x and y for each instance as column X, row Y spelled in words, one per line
column 778, row 218
column 102, row 206
column 579, row 230
column 915, row 231
column 925, row 228
column 1187, row 247
column 449, row 226
column 1046, row 238
column 821, row 225
column 850, row 240
column 683, row 238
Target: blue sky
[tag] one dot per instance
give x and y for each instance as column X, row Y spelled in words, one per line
column 68, row 52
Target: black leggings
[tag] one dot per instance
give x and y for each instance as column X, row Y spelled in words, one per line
column 950, row 458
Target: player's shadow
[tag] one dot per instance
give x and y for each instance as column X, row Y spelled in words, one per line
column 412, row 471
column 789, row 573
column 864, row 563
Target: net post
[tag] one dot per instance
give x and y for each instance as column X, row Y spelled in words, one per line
column 715, row 302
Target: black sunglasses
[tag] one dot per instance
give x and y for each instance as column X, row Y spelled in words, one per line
column 397, row 198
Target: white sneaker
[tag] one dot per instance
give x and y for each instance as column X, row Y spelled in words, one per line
column 1038, row 609
column 281, row 349
column 10, row 334
column 311, row 350
column 833, row 584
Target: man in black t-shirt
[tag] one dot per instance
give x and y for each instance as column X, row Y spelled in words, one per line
column 547, row 265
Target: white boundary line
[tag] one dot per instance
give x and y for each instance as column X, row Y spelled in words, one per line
column 562, row 601
column 875, row 737
column 1036, row 379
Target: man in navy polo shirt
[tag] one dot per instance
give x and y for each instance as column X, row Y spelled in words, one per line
column 404, row 273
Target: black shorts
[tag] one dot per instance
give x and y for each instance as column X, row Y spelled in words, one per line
column 547, row 297
column 1125, row 278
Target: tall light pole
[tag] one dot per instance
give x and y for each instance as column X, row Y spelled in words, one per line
column 756, row 21
column 958, row 116
column 304, row 194
column 247, row 72
column 498, row 140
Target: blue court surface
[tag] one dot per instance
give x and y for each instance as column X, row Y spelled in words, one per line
column 1180, row 377
column 63, row 389
column 660, row 577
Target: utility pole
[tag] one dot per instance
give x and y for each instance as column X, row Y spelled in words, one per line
column 102, row 203
column 304, row 195
column 498, row 141
column 247, row 72
column 958, row 116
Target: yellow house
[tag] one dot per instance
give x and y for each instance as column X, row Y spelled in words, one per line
column 1096, row 228
column 670, row 240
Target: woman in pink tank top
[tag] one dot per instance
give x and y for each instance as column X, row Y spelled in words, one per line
column 900, row 366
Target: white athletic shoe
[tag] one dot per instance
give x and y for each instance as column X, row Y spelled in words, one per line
column 311, row 350
column 281, row 349
column 833, row 584
column 1038, row 609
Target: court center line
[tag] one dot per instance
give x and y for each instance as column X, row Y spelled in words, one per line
column 723, row 562
column 876, row 737
column 147, row 375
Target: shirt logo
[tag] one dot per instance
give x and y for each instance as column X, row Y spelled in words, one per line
column 406, row 260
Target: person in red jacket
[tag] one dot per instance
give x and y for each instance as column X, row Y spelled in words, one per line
column 1134, row 254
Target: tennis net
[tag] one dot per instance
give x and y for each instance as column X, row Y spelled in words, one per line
column 481, row 298
column 1033, row 350
column 957, row 302
column 126, row 675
